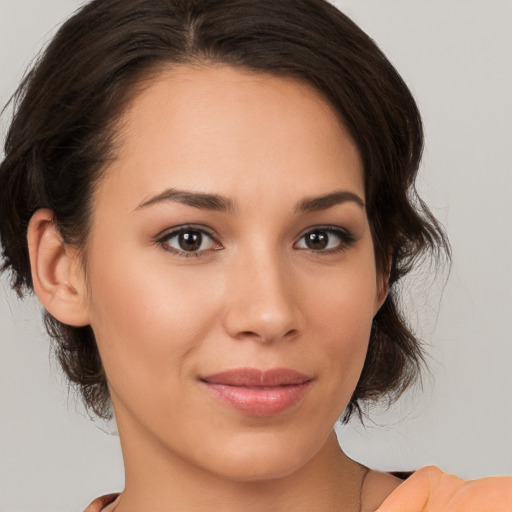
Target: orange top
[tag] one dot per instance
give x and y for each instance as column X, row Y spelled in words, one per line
column 427, row 490
column 101, row 502
column 431, row 490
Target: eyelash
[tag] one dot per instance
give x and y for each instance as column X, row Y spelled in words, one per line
column 164, row 241
column 346, row 238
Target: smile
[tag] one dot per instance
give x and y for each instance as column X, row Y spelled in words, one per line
column 258, row 392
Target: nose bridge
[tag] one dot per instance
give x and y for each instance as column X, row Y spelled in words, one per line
column 262, row 301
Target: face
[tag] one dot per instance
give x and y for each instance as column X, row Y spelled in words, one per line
column 231, row 272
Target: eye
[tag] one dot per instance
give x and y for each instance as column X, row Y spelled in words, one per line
column 326, row 239
column 188, row 241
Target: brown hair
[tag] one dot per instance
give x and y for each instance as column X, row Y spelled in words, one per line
column 61, row 139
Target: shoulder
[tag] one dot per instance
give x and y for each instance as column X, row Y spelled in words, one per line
column 377, row 486
column 100, row 503
column 431, row 489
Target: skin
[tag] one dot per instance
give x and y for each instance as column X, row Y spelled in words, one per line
column 254, row 295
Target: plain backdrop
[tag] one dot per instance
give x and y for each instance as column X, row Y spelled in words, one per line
column 456, row 55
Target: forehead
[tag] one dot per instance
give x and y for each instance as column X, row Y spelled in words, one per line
column 205, row 127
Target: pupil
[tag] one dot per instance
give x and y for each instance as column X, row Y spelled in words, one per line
column 190, row 240
column 317, row 240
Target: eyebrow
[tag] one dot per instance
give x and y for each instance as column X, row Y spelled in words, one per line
column 199, row 200
column 314, row 204
column 215, row 202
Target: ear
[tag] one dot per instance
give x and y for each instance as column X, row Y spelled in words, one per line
column 382, row 289
column 57, row 274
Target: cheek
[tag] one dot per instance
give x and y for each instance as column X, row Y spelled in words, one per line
column 146, row 321
column 341, row 315
column 344, row 298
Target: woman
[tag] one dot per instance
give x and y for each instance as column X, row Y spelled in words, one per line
column 195, row 184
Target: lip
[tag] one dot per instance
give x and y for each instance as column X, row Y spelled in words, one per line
column 258, row 392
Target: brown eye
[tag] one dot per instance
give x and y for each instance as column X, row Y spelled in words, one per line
column 317, row 240
column 188, row 241
column 326, row 239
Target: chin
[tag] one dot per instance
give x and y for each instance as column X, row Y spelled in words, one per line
column 258, row 460
column 259, row 470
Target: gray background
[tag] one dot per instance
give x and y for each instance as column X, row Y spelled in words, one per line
column 456, row 55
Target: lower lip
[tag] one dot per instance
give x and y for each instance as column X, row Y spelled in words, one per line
column 256, row 401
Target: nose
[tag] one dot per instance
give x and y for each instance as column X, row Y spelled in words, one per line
column 262, row 301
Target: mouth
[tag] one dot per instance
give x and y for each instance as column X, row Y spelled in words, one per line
column 258, row 392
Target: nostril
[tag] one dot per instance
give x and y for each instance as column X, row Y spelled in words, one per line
column 248, row 334
column 266, row 338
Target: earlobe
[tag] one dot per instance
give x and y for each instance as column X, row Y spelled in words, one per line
column 382, row 291
column 56, row 272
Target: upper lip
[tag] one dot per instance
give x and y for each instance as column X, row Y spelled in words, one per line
column 254, row 377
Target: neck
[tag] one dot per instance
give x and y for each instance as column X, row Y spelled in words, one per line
column 160, row 481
